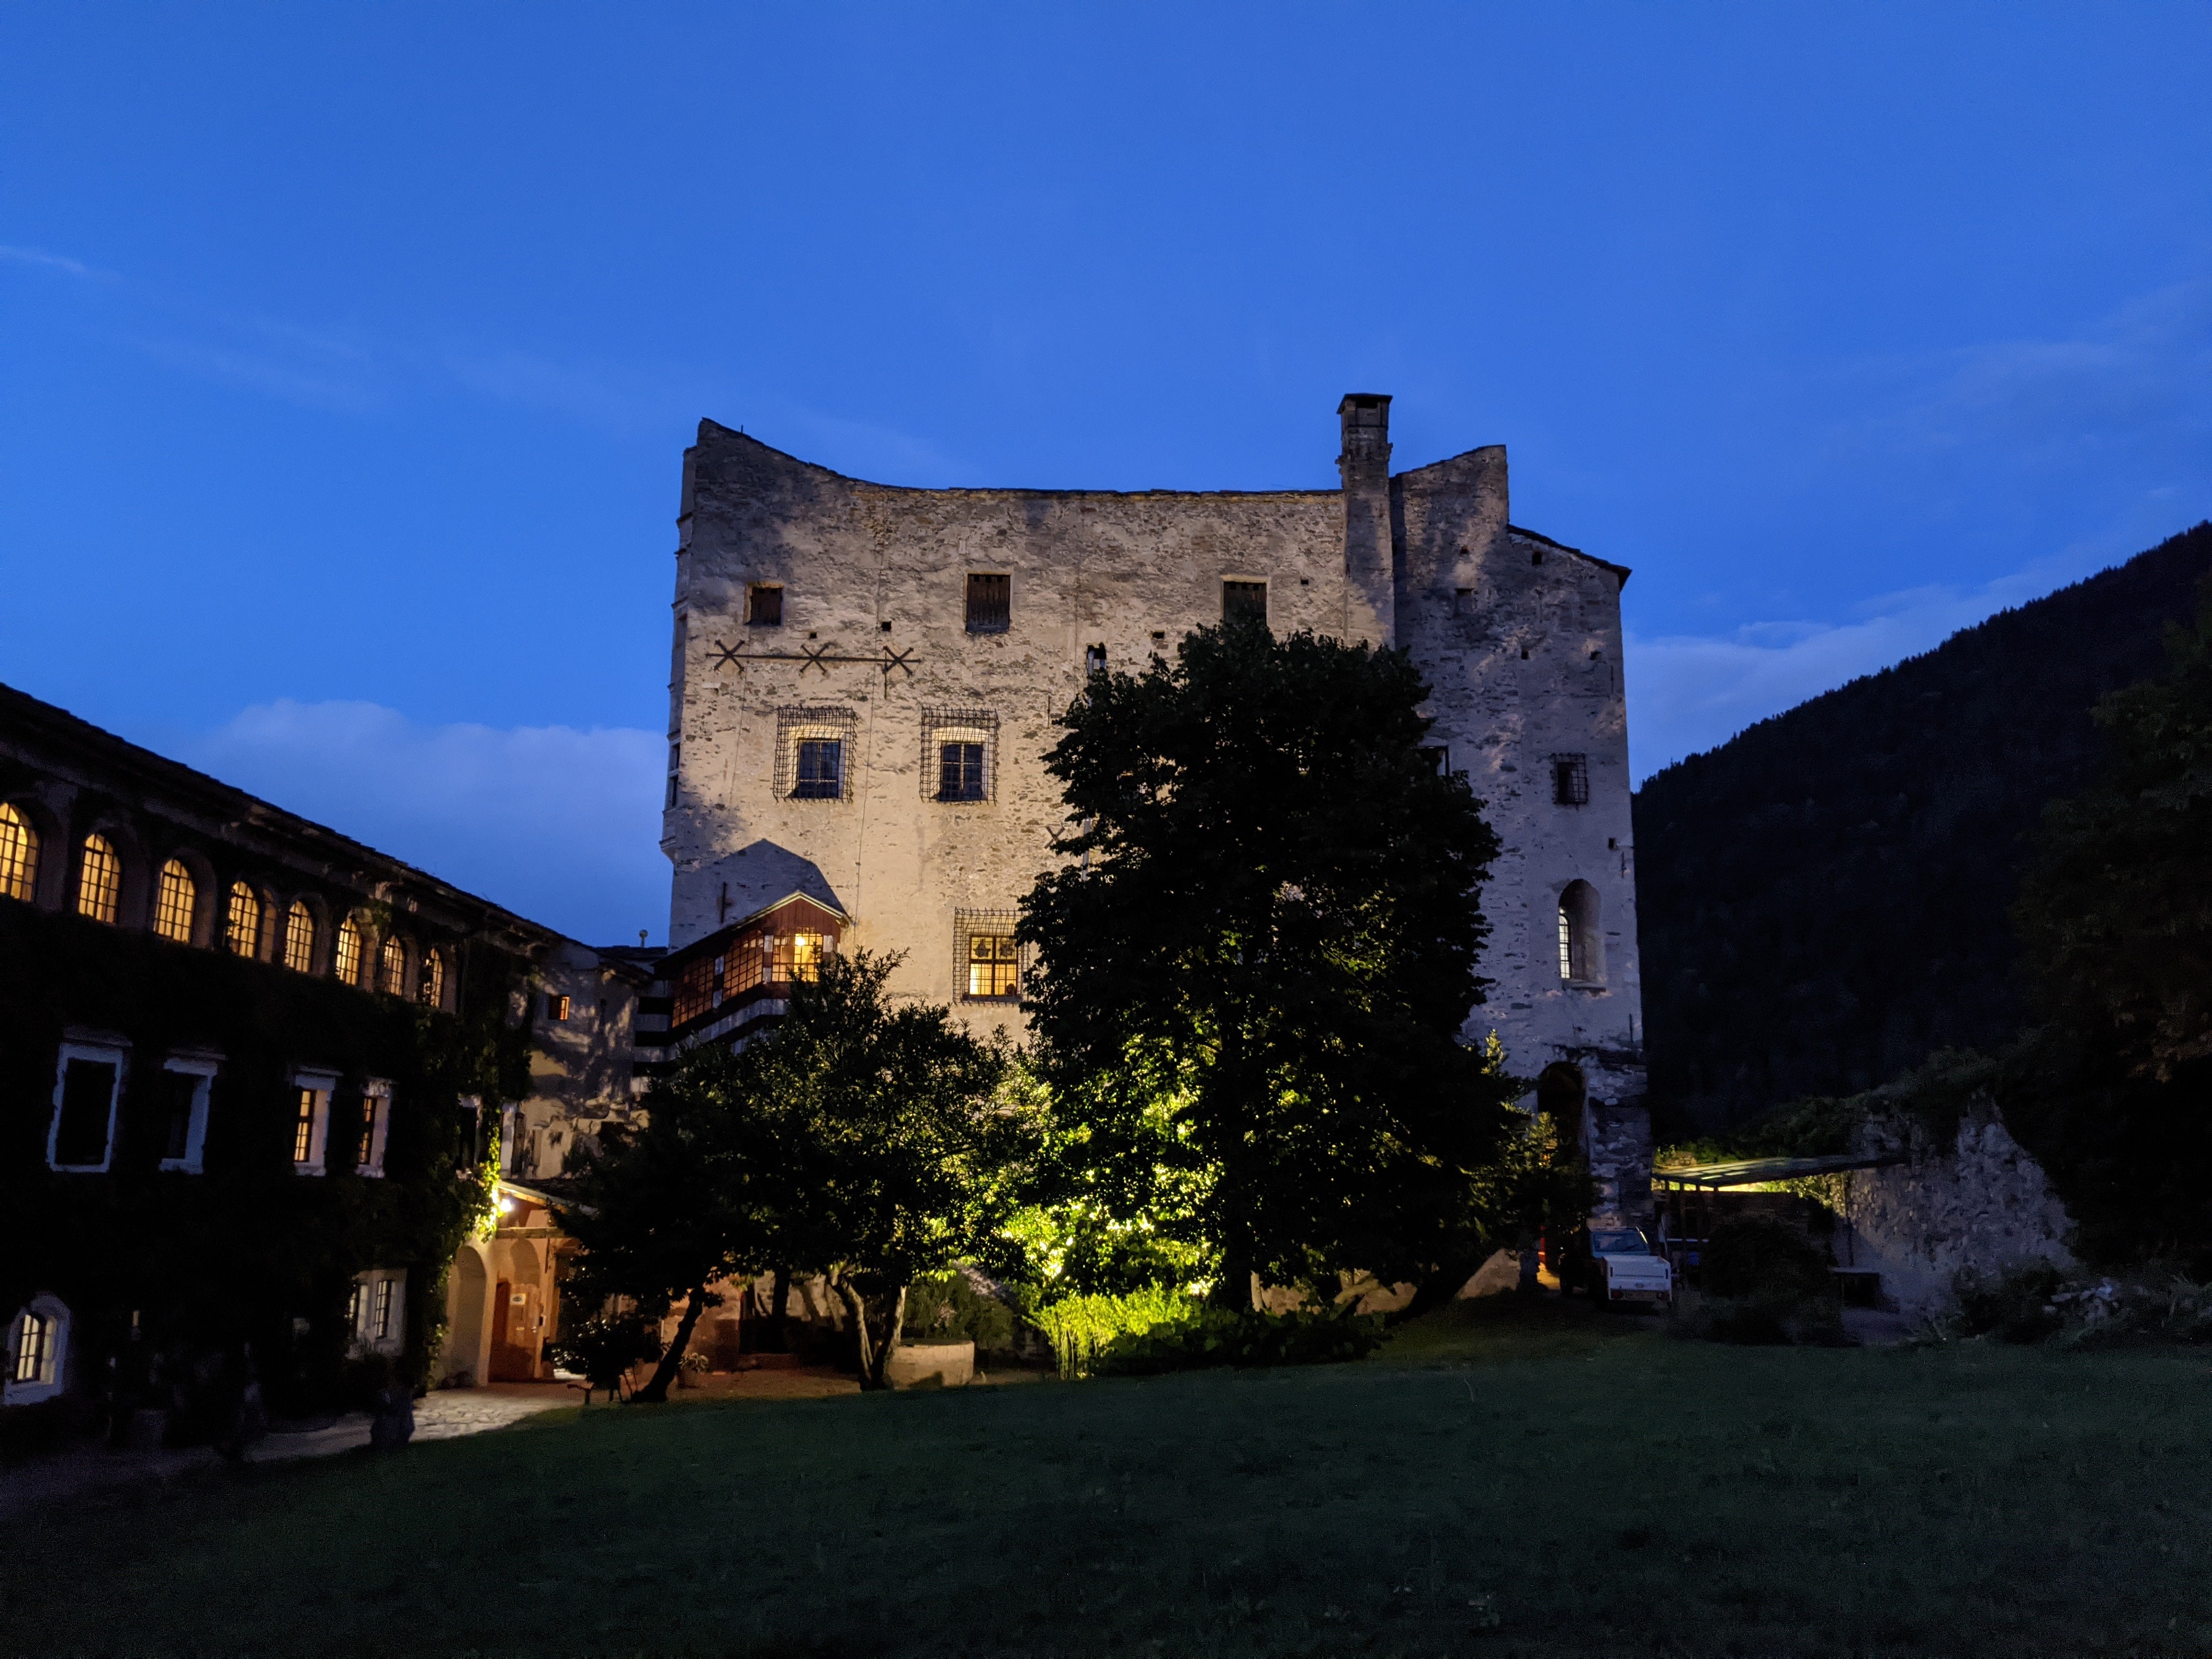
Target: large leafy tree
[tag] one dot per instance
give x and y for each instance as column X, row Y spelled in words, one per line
column 1251, row 977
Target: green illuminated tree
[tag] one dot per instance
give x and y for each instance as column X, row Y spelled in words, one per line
column 1250, row 983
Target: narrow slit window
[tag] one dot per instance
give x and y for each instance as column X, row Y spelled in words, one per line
column 173, row 898
column 100, row 880
column 1244, row 602
column 990, row 603
column 19, row 855
column 241, row 930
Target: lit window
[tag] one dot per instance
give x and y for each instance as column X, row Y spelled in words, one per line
column 380, row 1310
column 173, row 899
column 1570, row 779
column 37, row 1353
column 960, row 771
column 797, row 956
column 311, row 1120
column 1244, row 602
column 100, row 881
column 304, row 1113
column 19, row 855
column 990, row 609
column 348, row 964
column 556, row 1006
column 87, row 1086
column 299, row 938
column 241, row 927
column 1581, row 954
column 821, row 770
column 34, row 1347
column 764, row 606
column 392, row 969
column 432, row 989
column 994, row 965
column 374, row 1127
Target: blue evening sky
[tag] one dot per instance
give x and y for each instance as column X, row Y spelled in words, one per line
column 347, row 353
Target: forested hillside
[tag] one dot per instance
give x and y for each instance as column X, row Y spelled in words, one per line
column 1822, row 900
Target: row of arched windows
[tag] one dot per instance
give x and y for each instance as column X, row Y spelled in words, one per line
column 250, row 923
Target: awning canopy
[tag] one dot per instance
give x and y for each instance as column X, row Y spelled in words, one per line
column 1756, row 1171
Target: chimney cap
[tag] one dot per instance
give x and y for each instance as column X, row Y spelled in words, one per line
column 1365, row 400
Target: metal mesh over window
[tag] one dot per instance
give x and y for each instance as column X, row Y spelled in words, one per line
column 100, row 880
column 814, row 753
column 173, row 899
column 19, row 855
column 1570, row 779
column 241, row 927
column 990, row 603
column 299, row 938
column 988, row 961
column 959, row 754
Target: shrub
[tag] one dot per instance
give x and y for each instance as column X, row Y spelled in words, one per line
column 948, row 1307
column 1757, row 1256
column 1216, row 1336
column 1079, row 1328
column 2016, row 1304
column 602, row 1349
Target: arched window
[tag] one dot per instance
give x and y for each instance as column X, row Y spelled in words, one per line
column 37, row 1353
column 432, row 989
column 1582, row 953
column 242, row 929
column 299, row 938
column 392, row 969
column 173, row 899
column 348, row 964
column 99, row 881
column 19, row 855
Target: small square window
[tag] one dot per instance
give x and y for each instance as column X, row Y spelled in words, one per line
column 990, row 603
column 1570, row 779
column 1462, row 602
column 1438, row 758
column 764, row 606
column 821, row 770
column 994, row 965
column 1244, row 601
column 556, row 1006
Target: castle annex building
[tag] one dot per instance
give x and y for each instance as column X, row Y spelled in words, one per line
column 865, row 680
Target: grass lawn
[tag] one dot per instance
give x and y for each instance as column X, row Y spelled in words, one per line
column 1500, row 1481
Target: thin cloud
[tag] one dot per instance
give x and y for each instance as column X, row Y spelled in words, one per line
column 46, row 261
column 559, row 824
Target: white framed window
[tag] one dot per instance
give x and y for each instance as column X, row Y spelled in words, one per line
column 88, row 1084
column 376, row 1314
column 375, row 1125
column 37, row 1353
column 186, row 1081
column 311, row 1120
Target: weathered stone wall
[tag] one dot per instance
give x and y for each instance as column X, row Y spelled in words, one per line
column 1520, row 637
column 1980, row 1203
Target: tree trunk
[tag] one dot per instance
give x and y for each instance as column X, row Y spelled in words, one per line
column 655, row 1392
column 875, row 1358
column 778, row 1328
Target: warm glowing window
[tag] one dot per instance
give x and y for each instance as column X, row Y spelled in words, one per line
column 303, row 1125
column 100, row 881
column 392, row 969
column 173, row 899
column 994, row 965
column 241, row 927
column 348, row 965
column 34, row 1347
column 299, row 938
column 19, row 855
column 380, row 1318
column 431, row 990
column 797, row 956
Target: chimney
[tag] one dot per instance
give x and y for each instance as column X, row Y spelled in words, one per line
column 1370, row 602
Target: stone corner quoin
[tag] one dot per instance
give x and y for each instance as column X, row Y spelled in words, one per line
column 812, row 609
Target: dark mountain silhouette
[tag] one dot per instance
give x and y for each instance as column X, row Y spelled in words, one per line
column 1822, row 900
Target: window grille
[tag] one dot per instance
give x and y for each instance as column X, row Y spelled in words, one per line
column 959, row 754
column 392, row 969
column 33, row 1343
column 814, row 753
column 796, row 957
column 990, row 603
column 303, row 1127
column 764, row 606
column 348, row 964
column 19, row 855
column 988, row 957
column 431, row 990
column 173, row 899
column 242, row 929
column 1570, row 779
column 1244, row 601
column 299, row 937
column 100, row 881
column 380, row 1314
column 694, row 990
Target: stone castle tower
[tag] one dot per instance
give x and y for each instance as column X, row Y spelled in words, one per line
column 866, row 679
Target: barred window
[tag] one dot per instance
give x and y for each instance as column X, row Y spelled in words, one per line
column 99, row 881
column 1570, row 779
column 988, row 955
column 431, row 990
column 990, row 603
column 392, row 967
column 959, row 754
column 764, row 606
column 173, row 899
column 814, row 753
column 19, row 855
column 347, row 963
column 299, row 938
column 241, row 930
column 1244, row 601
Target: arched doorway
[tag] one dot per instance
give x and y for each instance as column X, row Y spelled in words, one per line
column 518, row 1312
column 468, row 1305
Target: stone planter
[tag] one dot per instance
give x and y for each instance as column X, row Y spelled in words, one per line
column 930, row 1365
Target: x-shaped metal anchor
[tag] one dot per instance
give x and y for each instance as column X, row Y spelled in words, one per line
column 726, row 656
column 813, row 661
column 897, row 659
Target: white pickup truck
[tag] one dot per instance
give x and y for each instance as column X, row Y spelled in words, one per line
column 1623, row 1271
